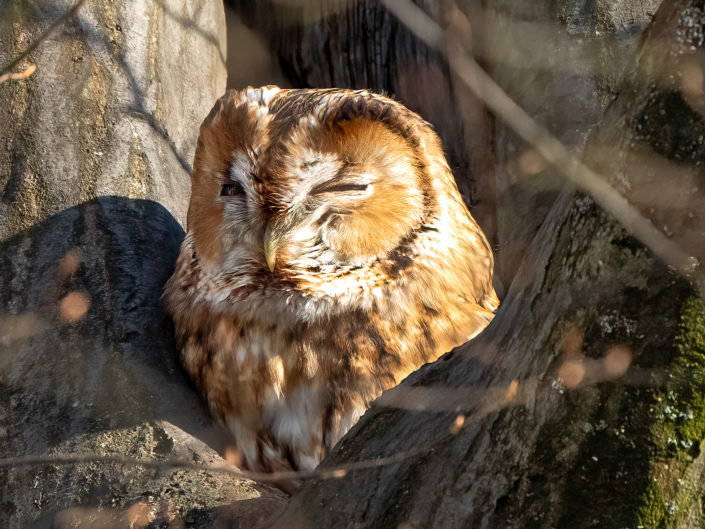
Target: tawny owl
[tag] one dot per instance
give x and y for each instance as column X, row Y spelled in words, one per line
column 328, row 255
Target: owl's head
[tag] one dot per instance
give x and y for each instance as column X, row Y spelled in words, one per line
column 288, row 182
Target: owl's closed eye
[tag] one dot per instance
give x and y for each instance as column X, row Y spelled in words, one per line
column 328, row 255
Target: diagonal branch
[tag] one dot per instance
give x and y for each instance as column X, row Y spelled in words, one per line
column 550, row 148
column 18, row 75
column 224, row 468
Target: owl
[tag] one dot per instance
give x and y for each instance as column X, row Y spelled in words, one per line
column 328, row 255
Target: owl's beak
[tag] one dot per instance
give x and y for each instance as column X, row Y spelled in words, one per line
column 270, row 247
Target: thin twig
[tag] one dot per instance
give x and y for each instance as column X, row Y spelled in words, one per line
column 18, row 75
column 43, row 37
column 584, row 178
column 224, row 468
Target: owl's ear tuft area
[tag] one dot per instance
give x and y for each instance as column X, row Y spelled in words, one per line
column 364, row 142
column 373, row 108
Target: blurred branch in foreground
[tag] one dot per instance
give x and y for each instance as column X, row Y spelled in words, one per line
column 18, row 75
column 268, row 477
column 584, row 178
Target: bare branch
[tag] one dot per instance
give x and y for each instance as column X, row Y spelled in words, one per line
column 223, row 468
column 584, row 178
column 19, row 75
column 63, row 18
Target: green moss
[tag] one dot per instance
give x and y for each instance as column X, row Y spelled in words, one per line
column 624, row 446
column 680, row 426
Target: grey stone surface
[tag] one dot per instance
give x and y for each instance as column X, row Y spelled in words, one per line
column 113, row 108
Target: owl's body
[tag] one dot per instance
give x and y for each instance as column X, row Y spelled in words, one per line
column 328, row 255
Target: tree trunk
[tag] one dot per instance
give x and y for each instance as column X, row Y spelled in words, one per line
column 581, row 404
column 94, row 184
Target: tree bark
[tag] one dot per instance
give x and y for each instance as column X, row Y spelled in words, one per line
column 94, row 185
column 581, row 404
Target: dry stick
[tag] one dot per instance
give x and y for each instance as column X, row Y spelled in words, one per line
column 43, row 36
column 584, row 178
column 225, row 468
column 19, row 75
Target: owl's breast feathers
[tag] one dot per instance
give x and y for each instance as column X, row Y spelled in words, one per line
column 289, row 359
column 291, row 372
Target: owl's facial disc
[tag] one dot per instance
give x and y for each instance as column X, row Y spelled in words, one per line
column 353, row 193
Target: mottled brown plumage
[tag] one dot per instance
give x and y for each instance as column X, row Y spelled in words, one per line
column 328, row 255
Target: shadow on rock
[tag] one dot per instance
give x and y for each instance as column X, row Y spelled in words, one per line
column 87, row 366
